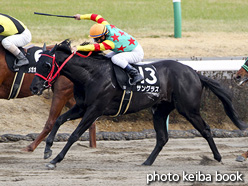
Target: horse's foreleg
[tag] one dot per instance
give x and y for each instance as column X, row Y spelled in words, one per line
column 74, row 113
column 88, row 118
column 159, row 120
column 47, row 128
column 55, row 110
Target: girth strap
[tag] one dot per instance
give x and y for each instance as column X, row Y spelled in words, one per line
column 125, row 102
column 17, row 84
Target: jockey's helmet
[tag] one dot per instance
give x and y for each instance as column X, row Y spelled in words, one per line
column 98, row 30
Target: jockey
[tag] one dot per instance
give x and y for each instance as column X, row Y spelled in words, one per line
column 15, row 35
column 125, row 48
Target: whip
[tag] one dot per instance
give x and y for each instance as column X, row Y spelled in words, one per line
column 38, row 13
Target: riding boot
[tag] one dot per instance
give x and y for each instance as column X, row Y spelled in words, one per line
column 22, row 60
column 134, row 74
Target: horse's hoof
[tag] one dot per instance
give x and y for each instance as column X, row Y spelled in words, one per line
column 218, row 158
column 240, row 158
column 27, row 149
column 146, row 164
column 48, row 154
column 51, row 166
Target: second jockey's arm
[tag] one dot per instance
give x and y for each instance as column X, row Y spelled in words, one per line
column 94, row 17
column 105, row 45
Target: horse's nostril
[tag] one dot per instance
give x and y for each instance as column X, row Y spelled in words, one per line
column 237, row 77
column 34, row 90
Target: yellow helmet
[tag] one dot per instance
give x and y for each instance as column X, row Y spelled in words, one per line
column 98, row 30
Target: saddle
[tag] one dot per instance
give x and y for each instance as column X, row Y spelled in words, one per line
column 150, row 84
column 32, row 55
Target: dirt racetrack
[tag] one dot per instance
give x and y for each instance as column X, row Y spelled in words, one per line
column 119, row 162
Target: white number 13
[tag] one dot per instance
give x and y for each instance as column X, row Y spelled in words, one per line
column 153, row 79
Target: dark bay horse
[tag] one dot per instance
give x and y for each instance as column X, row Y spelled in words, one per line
column 97, row 93
column 62, row 89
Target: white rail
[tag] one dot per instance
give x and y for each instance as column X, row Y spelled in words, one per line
column 211, row 65
column 215, row 65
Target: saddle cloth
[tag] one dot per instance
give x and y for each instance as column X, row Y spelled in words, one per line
column 150, row 83
column 32, row 55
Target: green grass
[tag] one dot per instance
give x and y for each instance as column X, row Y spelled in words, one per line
column 141, row 18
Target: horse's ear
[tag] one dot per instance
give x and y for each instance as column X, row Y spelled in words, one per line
column 52, row 51
column 44, row 47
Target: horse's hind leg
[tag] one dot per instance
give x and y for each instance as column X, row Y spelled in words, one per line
column 197, row 121
column 160, row 114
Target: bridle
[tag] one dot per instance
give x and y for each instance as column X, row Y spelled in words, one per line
column 240, row 80
column 245, row 66
column 52, row 74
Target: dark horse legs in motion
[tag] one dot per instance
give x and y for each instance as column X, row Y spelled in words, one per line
column 62, row 89
column 97, row 93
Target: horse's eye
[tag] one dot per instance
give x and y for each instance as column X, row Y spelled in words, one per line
column 48, row 65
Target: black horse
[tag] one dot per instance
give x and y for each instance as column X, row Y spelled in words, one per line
column 97, row 93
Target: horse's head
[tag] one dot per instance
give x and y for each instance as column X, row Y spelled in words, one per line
column 241, row 76
column 46, row 67
column 49, row 65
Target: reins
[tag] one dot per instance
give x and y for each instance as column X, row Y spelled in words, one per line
column 50, row 77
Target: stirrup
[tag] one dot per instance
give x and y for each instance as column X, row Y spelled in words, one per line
column 18, row 64
column 15, row 68
column 131, row 82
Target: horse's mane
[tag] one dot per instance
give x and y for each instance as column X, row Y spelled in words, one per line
column 65, row 46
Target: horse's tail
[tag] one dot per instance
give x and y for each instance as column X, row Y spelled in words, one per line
column 225, row 98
